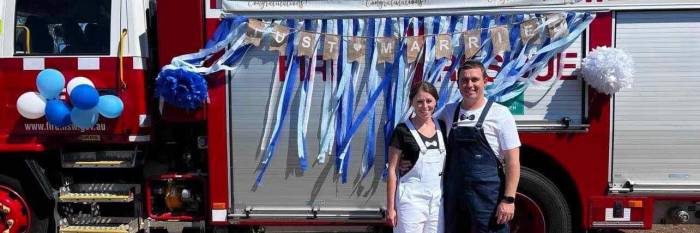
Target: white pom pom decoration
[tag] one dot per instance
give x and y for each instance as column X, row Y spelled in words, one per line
column 608, row 70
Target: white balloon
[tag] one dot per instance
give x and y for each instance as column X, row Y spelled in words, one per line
column 31, row 105
column 78, row 81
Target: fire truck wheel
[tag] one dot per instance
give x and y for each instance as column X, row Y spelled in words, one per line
column 540, row 206
column 16, row 212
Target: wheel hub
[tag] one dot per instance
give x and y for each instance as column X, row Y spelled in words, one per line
column 14, row 212
column 529, row 217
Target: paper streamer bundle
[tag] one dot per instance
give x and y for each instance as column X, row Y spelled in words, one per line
column 608, row 70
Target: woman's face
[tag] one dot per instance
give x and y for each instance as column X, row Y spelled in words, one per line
column 423, row 104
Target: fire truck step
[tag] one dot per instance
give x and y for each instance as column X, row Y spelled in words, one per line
column 98, row 192
column 100, row 225
column 98, row 164
column 99, row 159
column 94, row 229
column 94, row 197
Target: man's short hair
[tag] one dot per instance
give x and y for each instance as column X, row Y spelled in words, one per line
column 471, row 64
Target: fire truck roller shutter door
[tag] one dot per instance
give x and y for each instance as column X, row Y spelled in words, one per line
column 656, row 129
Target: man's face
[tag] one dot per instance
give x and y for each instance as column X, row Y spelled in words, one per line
column 471, row 84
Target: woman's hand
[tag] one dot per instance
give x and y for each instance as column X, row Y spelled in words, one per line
column 391, row 217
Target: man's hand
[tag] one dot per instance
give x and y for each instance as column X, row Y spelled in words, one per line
column 505, row 212
column 405, row 166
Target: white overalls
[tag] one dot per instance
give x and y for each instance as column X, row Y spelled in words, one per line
column 419, row 199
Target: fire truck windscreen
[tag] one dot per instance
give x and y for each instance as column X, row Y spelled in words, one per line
column 44, row 27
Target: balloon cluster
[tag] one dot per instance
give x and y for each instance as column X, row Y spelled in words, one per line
column 86, row 101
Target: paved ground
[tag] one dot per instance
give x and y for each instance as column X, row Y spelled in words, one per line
column 668, row 228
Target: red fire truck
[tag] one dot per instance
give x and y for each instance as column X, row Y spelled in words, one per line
column 589, row 160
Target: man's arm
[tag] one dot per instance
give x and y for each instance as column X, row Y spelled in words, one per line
column 512, row 167
column 510, row 150
column 509, row 143
column 506, row 211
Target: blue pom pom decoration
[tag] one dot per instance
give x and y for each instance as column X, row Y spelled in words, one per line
column 181, row 88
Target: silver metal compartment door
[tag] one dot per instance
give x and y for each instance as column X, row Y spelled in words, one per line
column 286, row 192
column 656, row 134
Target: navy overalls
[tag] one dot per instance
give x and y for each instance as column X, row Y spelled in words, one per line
column 473, row 179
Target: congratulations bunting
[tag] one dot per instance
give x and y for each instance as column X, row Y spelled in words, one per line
column 444, row 46
column 279, row 39
column 386, row 46
column 529, row 33
column 330, row 47
column 356, row 49
column 306, row 44
column 415, row 45
column 557, row 28
column 499, row 39
column 472, row 42
column 255, row 31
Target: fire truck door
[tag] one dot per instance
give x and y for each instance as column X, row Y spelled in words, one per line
column 656, row 131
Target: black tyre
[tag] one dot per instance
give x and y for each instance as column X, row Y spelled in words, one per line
column 24, row 214
column 540, row 206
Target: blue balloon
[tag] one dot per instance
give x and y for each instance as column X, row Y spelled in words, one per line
column 58, row 113
column 110, row 106
column 84, row 119
column 84, row 97
column 50, row 83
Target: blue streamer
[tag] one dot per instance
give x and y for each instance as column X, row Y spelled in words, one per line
column 223, row 30
column 340, row 129
column 331, row 99
column 187, row 91
column 344, row 153
column 388, row 94
column 577, row 23
column 290, row 79
column 486, row 46
column 369, row 106
column 305, row 101
column 431, row 26
column 368, row 153
column 438, row 67
column 235, row 29
column 404, row 78
column 330, row 104
column 446, row 82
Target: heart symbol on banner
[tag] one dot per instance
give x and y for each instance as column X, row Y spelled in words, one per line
column 357, row 46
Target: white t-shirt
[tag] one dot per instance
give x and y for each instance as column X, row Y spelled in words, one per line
column 499, row 125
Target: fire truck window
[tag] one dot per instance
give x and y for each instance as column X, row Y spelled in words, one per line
column 62, row 27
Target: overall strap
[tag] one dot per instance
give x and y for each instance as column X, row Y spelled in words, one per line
column 416, row 136
column 483, row 114
column 479, row 125
column 455, row 117
column 438, row 132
